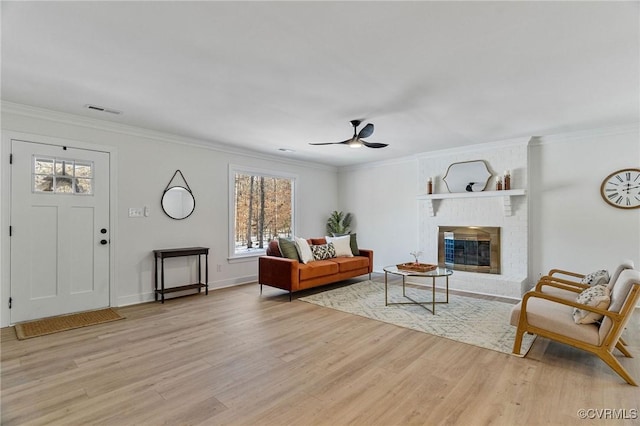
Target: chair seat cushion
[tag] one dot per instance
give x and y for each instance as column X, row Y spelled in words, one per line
column 555, row 317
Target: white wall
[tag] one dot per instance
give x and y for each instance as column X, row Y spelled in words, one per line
column 382, row 198
column 145, row 163
column 573, row 228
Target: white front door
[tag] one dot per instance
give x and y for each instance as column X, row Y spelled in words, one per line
column 59, row 230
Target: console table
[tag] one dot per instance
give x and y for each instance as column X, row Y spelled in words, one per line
column 181, row 252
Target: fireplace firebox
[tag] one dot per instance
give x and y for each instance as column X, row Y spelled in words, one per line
column 469, row 248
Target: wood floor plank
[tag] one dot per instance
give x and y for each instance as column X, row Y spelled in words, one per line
column 236, row 357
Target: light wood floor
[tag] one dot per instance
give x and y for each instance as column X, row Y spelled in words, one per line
column 235, row 357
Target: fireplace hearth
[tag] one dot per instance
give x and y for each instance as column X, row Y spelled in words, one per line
column 469, row 248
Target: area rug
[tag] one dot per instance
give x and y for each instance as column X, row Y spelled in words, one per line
column 478, row 322
column 51, row 325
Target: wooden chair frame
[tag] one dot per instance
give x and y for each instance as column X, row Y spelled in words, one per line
column 611, row 340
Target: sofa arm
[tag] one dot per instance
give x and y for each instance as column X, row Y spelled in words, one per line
column 279, row 272
column 368, row 254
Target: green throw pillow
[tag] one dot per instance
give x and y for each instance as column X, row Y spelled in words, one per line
column 288, row 249
column 354, row 245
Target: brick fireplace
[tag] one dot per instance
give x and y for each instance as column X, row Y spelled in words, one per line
column 510, row 277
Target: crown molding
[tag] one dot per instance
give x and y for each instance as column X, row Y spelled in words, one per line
column 487, row 146
column 581, row 134
column 108, row 126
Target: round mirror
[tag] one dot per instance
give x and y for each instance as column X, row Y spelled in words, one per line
column 178, row 202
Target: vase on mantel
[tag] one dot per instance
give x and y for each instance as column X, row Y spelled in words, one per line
column 507, row 180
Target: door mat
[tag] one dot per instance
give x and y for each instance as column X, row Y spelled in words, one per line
column 27, row 330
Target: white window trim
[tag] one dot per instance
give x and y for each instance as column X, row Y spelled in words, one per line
column 235, row 168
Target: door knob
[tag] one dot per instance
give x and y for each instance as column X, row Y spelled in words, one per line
column 103, row 242
column 103, row 231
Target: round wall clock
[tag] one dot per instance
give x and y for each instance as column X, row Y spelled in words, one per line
column 622, row 189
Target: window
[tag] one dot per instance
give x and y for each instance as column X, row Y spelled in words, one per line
column 262, row 204
column 62, row 176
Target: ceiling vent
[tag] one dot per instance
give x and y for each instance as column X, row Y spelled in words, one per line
column 103, row 109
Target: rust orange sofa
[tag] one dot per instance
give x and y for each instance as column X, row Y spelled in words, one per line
column 292, row 275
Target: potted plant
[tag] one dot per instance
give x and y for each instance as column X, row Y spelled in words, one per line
column 339, row 223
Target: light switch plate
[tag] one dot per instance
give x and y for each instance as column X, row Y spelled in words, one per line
column 135, row 212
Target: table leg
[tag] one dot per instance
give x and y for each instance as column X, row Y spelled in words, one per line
column 162, row 280
column 206, row 274
column 199, row 272
column 403, row 290
column 385, row 288
column 155, row 276
column 433, row 295
column 447, row 277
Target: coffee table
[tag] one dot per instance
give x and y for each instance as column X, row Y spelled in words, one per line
column 433, row 274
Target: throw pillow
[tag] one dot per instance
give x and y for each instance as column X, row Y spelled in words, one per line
column 600, row 277
column 288, row 249
column 323, row 251
column 353, row 243
column 342, row 245
column 304, row 251
column 597, row 297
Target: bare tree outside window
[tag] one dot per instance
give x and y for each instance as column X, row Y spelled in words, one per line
column 263, row 210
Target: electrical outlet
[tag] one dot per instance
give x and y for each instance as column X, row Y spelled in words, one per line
column 218, row 268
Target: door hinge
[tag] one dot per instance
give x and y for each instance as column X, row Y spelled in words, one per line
column 10, row 230
column 10, row 300
column 10, row 158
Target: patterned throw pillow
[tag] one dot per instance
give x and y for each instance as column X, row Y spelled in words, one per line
column 323, row 251
column 597, row 297
column 600, row 277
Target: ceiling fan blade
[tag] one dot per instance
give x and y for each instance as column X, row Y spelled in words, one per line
column 330, row 143
column 374, row 144
column 366, row 131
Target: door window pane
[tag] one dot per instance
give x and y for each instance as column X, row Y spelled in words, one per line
column 62, row 176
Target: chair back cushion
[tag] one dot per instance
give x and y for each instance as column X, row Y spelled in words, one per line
column 619, row 295
column 626, row 264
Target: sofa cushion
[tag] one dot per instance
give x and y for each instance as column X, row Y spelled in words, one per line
column 304, row 251
column 288, row 249
column 597, row 297
column 317, row 268
column 317, row 241
column 323, row 251
column 351, row 263
column 342, row 245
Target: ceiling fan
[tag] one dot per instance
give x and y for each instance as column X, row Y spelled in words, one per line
column 356, row 140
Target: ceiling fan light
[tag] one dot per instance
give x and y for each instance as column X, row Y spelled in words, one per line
column 354, row 143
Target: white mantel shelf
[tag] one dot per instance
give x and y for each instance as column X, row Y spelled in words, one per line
column 506, row 198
